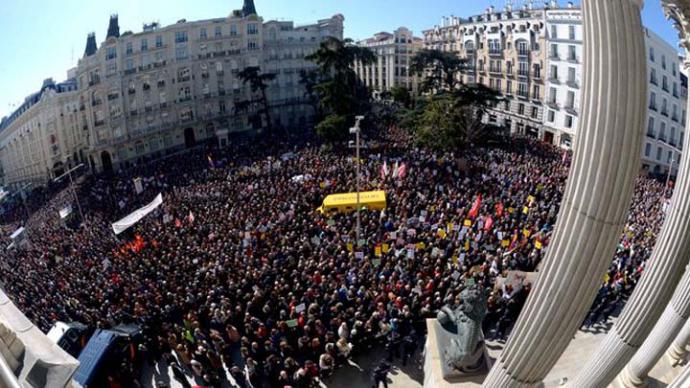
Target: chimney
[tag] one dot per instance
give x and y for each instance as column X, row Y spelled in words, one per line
column 91, row 47
column 113, row 27
column 248, row 8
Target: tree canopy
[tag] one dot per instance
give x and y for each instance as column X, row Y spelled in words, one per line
column 439, row 69
column 341, row 94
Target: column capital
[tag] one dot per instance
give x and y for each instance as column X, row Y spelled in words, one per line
column 679, row 12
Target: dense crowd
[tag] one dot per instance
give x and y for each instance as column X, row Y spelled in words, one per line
column 238, row 272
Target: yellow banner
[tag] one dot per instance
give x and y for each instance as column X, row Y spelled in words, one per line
column 349, row 247
column 505, row 243
column 386, row 248
column 538, row 245
column 467, row 223
column 377, row 251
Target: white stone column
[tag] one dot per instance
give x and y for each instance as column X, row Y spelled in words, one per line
column 682, row 380
column 662, row 273
column 597, row 196
column 678, row 351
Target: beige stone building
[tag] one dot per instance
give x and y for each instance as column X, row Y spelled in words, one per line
column 140, row 96
column 394, row 52
column 506, row 52
column 44, row 136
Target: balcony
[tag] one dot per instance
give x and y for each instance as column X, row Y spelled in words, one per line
column 495, row 71
column 553, row 105
column 554, row 56
column 159, row 64
column 573, row 59
column 573, row 84
column 664, row 112
column 651, row 134
column 662, row 138
column 184, row 99
column 653, row 107
column 554, row 80
column 523, row 73
column 523, row 94
column 495, row 52
column 130, row 71
column 523, row 53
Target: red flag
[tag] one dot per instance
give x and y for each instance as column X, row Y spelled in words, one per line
column 178, row 223
column 488, row 224
column 513, row 241
column 499, row 209
column 402, row 170
column 474, row 212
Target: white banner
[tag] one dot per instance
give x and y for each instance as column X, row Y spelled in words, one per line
column 138, row 186
column 134, row 217
column 66, row 211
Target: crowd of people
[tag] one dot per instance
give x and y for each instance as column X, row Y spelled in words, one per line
column 237, row 275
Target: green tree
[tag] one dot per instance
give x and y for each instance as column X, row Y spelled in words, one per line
column 341, row 94
column 454, row 119
column 401, row 96
column 439, row 70
column 309, row 80
column 258, row 82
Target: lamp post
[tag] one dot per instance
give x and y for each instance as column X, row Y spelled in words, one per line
column 670, row 171
column 71, row 185
column 356, row 131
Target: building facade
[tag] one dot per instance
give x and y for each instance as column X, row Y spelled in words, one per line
column 533, row 57
column 506, row 52
column 666, row 115
column 140, row 96
column 394, row 53
column 43, row 136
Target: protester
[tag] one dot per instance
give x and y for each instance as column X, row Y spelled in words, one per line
column 239, row 277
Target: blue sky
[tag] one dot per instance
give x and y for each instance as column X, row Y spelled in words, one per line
column 44, row 38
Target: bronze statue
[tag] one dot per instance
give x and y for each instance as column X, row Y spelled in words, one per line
column 465, row 352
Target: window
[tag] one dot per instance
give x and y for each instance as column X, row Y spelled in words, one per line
column 554, row 51
column 202, row 34
column 664, row 83
column 652, row 77
column 647, row 149
column 144, row 44
column 658, row 153
column 252, row 29
column 651, row 54
column 521, row 109
column 663, row 62
column 233, row 30
column 554, row 72
column 180, row 36
column 535, row 92
column 552, row 116
column 523, row 69
column 159, row 41
column 650, row 127
column 536, row 69
column 181, row 53
column 522, row 89
column 570, row 101
column 218, row 32
column 571, row 32
column 252, row 46
column 535, row 112
column 673, row 135
column 571, row 75
column 110, row 53
column 652, row 101
column 662, row 131
column 553, row 94
column 572, row 53
column 554, row 32
column 129, row 64
column 128, row 50
column 669, row 157
column 522, row 47
column 568, row 121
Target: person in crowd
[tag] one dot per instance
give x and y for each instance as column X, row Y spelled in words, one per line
column 239, row 277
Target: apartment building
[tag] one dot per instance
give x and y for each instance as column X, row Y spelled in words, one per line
column 533, row 57
column 394, row 53
column 505, row 51
column 139, row 96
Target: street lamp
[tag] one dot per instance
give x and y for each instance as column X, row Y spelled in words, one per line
column 356, row 131
column 71, row 185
